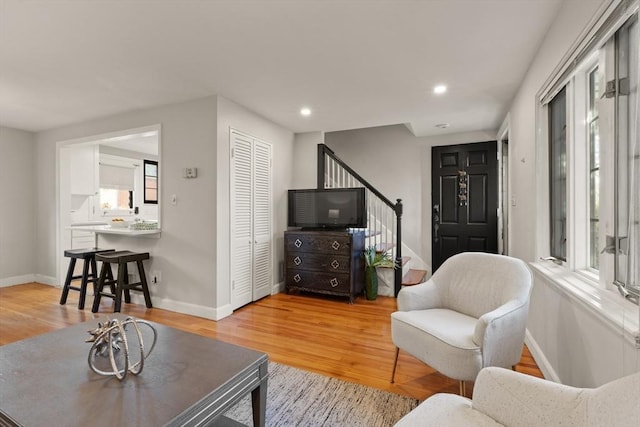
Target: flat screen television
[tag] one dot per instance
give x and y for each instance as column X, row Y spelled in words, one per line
column 328, row 208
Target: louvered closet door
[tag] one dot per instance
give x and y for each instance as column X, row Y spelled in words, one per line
column 262, row 271
column 251, row 271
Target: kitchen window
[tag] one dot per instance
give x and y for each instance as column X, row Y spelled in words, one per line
column 117, row 185
column 150, row 182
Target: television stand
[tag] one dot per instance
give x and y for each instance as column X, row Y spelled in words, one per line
column 325, row 261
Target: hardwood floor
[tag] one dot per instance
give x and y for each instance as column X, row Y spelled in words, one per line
column 319, row 334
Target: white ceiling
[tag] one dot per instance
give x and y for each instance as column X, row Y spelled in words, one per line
column 354, row 63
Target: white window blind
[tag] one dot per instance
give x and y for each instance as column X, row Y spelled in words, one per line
column 117, row 177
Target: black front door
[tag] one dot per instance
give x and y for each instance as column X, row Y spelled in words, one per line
column 464, row 199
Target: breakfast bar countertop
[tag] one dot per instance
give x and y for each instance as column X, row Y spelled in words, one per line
column 108, row 229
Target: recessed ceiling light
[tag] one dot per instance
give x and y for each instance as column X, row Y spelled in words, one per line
column 439, row 89
column 443, row 125
column 305, row 111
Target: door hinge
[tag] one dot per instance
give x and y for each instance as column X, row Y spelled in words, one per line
column 232, row 152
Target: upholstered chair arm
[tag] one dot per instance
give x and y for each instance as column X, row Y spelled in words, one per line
column 500, row 334
column 516, row 399
column 419, row 297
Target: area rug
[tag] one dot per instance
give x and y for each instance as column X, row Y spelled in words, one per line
column 300, row 398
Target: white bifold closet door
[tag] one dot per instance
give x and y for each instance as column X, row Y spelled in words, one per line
column 251, row 245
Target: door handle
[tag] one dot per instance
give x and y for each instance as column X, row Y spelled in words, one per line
column 436, row 222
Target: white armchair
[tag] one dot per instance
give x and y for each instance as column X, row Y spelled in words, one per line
column 471, row 314
column 503, row 397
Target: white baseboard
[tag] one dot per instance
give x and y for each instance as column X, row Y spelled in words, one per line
column 47, row 280
column 278, row 288
column 542, row 362
column 17, row 280
column 28, row 278
column 185, row 308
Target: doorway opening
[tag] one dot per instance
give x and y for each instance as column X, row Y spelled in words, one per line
column 99, row 178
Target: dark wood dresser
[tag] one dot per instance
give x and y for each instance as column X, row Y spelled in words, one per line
column 325, row 262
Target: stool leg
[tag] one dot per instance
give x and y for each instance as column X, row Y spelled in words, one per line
column 94, row 270
column 67, row 282
column 83, row 283
column 97, row 289
column 112, row 284
column 122, row 269
column 127, row 294
column 145, row 288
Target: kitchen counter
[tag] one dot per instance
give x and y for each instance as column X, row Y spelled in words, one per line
column 108, row 229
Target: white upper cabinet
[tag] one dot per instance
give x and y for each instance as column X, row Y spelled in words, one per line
column 83, row 171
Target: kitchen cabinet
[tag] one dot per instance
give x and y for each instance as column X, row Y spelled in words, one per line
column 83, row 170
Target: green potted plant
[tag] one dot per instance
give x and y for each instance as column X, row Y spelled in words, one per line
column 373, row 259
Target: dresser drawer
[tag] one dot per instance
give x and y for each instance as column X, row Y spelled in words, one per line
column 317, row 242
column 319, row 281
column 315, row 261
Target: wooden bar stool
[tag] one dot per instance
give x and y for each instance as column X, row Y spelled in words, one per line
column 88, row 255
column 122, row 282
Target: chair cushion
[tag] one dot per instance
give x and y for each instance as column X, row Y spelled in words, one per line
column 445, row 410
column 441, row 338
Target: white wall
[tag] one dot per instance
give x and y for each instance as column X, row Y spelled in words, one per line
column 17, row 207
column 185, row 253
column 192, row 253
column 305, row 154
column 234, row 116
column 572, row 344
column 398, row 164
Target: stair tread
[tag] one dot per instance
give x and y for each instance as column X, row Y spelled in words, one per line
column 405, row 259
column 413, row 277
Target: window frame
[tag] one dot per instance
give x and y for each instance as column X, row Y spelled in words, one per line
column 150, row 201
column 575, row 77
column 558, row 176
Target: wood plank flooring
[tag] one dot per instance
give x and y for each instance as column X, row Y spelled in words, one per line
column 319, row 334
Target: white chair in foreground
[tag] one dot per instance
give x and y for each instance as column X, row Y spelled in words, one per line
column 470, row 314
column 503, row 397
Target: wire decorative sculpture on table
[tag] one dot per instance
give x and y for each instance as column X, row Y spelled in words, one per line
column 110, row 340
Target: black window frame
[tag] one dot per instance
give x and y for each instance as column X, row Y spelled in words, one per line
column 558, row 175
column 144, row 181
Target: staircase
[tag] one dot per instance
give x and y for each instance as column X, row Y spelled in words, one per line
column 384, row 222
column 410, row 276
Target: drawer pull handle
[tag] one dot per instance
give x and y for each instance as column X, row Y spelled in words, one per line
column 333, row 282
column 297, row 278
column 297, row 260
column 298, row 243
column 335, row 245
column 335, row 264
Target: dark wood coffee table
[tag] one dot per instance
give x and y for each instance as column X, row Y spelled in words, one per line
column 187, row 380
